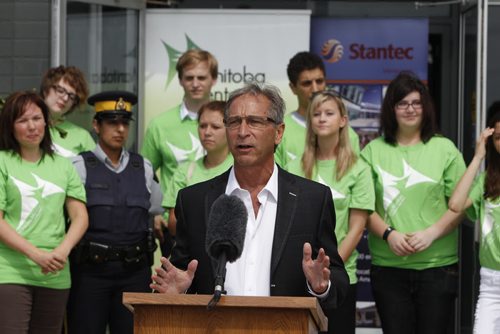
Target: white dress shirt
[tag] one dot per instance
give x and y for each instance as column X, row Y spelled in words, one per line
column 250, row 275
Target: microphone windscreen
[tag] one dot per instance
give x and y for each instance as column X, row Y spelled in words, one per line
column 226, row 227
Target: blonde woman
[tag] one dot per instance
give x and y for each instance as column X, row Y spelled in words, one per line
column 329, row 159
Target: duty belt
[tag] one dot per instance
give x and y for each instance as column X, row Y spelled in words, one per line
column 94, row 252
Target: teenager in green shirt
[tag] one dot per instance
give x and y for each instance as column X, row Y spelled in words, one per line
column 483, row 204
column 217, row 160
column 35, row 186
column 306, row 75
column 172, row 138
column 64, row 89
column 413, row 235
column 330, row 159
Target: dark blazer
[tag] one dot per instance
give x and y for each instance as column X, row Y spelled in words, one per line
column 305, row 213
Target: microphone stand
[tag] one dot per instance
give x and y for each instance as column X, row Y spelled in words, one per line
column 219, row 281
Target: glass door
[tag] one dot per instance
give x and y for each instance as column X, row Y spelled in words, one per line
column 472, row 93
column 102, row 38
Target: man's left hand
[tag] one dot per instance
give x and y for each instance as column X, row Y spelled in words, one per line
column 317, row 271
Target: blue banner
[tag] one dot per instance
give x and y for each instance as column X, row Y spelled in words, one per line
column 361, row 57
column 370, row 50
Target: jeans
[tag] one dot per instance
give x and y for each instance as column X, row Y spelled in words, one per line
column 488, row 305
column 415, row 301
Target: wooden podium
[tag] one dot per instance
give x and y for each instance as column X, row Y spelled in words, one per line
column 165, row 313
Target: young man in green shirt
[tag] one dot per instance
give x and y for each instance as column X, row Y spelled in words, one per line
column 306, row 73
column 172, row 137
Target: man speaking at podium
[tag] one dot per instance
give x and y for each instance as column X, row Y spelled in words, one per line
column 290, row 248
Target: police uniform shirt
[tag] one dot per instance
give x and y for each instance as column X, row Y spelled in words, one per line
column 152, row 186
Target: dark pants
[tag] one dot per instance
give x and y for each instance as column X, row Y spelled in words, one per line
column 96, row 297
column 342, row 320
column 415, row 301
column 31, row 309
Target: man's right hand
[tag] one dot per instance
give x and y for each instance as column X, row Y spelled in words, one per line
column 169, row 279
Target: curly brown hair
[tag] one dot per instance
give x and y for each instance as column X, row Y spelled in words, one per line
column 73, row 77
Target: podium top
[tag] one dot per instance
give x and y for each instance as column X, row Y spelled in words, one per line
column 130, row 299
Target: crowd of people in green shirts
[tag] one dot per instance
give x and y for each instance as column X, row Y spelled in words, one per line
column 409, row 188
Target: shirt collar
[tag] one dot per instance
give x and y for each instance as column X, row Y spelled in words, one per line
column 233, row 187
column 99, row 153
column 186, row 113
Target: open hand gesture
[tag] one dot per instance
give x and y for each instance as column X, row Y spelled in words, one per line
column 169, row 279
column 317, row 271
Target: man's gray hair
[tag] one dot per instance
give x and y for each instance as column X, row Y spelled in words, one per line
column 276, row 110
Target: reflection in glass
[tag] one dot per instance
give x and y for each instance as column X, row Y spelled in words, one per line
column 103, row 42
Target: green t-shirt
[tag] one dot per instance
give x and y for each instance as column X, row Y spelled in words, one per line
column 69, row 140
column 170, row 141
column 412, row 187
column 192, row 172
column 353, row 191
column 488, row 213
column 32, row 197
column 294, row 140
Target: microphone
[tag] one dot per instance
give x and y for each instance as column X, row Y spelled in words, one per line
column 226, row 228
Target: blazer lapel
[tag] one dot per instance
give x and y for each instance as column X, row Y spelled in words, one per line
column 288, row 195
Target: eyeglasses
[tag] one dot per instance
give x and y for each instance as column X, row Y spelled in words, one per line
column 404, row 105
column 63, row 92
column 253, row 122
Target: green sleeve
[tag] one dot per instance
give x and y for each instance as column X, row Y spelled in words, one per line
column 366, row 155
column 475, row 195
column 453, row 172
column 363, row 192
column 354, row 139
column 74, row 188
column 3, row 184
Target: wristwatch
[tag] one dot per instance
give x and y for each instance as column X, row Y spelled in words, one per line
column 387, row 232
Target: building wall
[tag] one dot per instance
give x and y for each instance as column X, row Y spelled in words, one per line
column 24, row 44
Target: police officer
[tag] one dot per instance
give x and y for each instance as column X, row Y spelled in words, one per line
column 115, row 254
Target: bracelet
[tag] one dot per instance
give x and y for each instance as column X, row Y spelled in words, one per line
column 387, row 232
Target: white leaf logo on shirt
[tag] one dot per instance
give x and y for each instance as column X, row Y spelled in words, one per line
column 182, row 155
column 335, row 193
column 63, row 152
column 291, row 156
column 489, row 219
column 31, row 197
column 393, row 184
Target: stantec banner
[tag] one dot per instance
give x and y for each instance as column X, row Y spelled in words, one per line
column 250, row 45
column 368, row 51
column 361, row 57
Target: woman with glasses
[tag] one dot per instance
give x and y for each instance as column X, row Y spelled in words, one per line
column 330, row 159
column 35, row 186
column 217, row 160
column 412, row 233
column 63, row 90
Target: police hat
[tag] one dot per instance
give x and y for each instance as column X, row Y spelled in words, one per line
column 113, row 104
